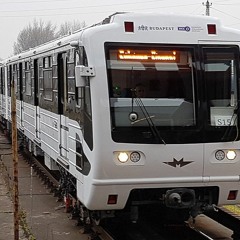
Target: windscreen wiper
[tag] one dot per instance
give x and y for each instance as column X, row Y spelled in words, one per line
column 134, row 118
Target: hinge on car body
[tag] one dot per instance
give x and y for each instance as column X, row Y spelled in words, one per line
column 87, row 71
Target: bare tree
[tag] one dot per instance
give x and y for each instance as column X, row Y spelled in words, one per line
column 70, row 27
column 33, row 35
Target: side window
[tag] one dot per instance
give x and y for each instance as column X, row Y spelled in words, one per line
column 79, row 91
column 15, row 77
column 41, row 75
column 1, row 81
column 28, row 80
column 88, row 106
column 9, row 79
column 84, row 92
column 28, row 83
column 70, row 76
column 20, row 80
column 47, row 78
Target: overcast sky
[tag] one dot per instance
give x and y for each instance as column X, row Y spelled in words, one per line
column 17, row 14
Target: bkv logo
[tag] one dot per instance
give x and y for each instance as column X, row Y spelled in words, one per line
column 180, row 163
column 186, row 29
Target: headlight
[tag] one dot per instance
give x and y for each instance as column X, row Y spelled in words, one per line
column 231, row 155
column 135, row 156
column 129, row 158
column 219, row 155
column 123, row 157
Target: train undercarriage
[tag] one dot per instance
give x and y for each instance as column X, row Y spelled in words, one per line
column 176, row 204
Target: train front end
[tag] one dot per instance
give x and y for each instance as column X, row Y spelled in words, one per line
column 165, row 125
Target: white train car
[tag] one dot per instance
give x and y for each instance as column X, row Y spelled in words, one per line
column 176, row 145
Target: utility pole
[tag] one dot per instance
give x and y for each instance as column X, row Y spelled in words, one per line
column 208, row 5
column 15, row 161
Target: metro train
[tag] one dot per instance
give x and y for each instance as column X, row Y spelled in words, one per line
column 176, row 147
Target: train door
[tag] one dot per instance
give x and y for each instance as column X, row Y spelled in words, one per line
column 20, row 95
column 62, row 103
column 36, row 100
column 9, row 79
column 15, row 80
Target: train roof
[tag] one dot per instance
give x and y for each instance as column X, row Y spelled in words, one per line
column 178, row 21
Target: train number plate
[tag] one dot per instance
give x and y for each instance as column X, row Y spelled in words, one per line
column 224, row 120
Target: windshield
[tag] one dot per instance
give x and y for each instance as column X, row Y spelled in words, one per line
column 159, row 79
column 173, row 93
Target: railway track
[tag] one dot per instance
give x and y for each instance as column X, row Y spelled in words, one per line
column 146, row 231
column 160, row 230
column 147, row 228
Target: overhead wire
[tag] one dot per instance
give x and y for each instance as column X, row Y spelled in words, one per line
column 227, row 14
column 60, row 13
column 69, row 8
column 20, row 2
column 42, row 1
column 227, row 4
column 93, row 6
column 230, row 15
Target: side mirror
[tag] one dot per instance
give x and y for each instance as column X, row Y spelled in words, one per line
column 81, row 72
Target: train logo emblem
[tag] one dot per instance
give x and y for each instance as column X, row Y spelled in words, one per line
column 186, row 28
column 180, row 163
